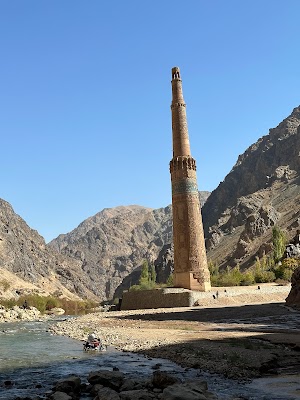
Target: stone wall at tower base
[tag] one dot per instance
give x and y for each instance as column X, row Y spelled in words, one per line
column 186, row 280
column 160, row 298
column 217, row 297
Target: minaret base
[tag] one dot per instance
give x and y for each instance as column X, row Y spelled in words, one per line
column 186, row 280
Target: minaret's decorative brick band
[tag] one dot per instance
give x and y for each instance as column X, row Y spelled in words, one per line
column 190, row 263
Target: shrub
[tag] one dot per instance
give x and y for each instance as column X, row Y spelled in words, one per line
column 170, row 280
column 229, row 277
column 247, row 278
column 264, row 276
column 290, row 263
column 46, row 303
column 287, row 274
column 52, row 302
column 134, row 288
column 286, row 268
column 213, row 268
column 4, row 284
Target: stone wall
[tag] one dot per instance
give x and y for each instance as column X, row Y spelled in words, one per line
column 157, row 298
column 217, row 297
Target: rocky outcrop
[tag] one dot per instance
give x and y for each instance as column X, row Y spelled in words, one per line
column 260, row 191
column 293, row 299
column 23, row 252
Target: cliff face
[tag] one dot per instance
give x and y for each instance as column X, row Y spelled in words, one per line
column 261, row 190
column 115, row 241
column 24, row 253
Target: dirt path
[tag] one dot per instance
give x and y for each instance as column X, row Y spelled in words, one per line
column 241, row 340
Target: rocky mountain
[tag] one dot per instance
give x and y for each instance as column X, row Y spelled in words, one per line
column 30, row 266
column 260, row 191
column 112, row 245
column 115, row 241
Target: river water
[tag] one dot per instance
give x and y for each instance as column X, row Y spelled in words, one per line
column 31, row 359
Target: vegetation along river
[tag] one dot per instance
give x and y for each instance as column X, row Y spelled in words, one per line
column 32, row 359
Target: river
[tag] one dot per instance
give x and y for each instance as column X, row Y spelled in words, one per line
column 31, row 359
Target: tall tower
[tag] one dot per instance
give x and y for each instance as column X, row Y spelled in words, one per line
column 190, row 263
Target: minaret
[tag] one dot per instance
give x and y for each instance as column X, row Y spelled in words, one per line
column 190, row 263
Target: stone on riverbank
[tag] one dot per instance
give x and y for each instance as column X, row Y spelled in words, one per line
column 162, row 380
column 107, row 393
column 188, row 391
column 68, row 385
column 60, row 396
column 113, row 385
column 56, row 311
column 112, row 379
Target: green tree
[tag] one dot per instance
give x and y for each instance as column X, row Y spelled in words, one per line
column 213, row 268
column 279, row 242
column 144, row 278
column 152, row 274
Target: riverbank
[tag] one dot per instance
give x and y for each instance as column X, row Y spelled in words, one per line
column 241, row 336
column 17, row 313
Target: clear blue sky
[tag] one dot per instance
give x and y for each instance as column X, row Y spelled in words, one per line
column 85, row 97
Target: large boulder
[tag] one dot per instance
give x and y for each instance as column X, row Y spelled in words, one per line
column 141, row 394
column 112, row 379
column 293, row 299
column 56, row 311
column 107, row 394
column 60, row 396
column 68, row 385
column 161, row 379
column 196, row 390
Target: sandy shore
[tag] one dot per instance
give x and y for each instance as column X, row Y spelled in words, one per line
column 244, row 333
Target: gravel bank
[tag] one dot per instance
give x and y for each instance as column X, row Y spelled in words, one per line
column 225, row 335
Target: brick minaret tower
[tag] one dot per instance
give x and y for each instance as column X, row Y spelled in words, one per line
column 190, row 263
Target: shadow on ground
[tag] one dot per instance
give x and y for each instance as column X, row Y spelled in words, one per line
column 240, row 341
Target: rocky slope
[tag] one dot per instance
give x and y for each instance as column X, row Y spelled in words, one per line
column 29, row 266
column 260, row 191
column 112, row 243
